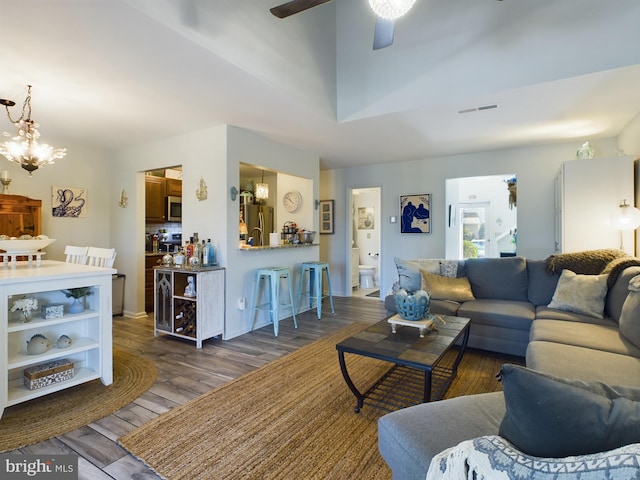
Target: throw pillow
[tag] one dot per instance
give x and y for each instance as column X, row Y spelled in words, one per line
column 446, row 288
column 630, row 316
column 409, row 272
column 548, row 416
column 580, row 293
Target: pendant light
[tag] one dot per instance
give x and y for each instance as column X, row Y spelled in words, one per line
column 262, row 189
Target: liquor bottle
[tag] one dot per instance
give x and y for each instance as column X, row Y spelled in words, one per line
column 212, row 253
column 205, row 254
column 189, row 248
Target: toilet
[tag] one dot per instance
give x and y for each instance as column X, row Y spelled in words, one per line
column 366, row 276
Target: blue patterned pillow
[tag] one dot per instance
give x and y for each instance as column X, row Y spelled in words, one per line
column 494, row 458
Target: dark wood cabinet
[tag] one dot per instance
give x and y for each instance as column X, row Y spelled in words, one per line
column 155, row 193
column 20, row 216
column 174, row 187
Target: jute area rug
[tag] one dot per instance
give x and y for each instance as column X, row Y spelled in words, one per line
column 61, row 412
column 291, row 419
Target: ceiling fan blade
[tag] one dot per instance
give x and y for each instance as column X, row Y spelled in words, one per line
column 295, row 6
column 383, row 35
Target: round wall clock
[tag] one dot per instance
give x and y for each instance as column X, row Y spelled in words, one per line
column 292, row 201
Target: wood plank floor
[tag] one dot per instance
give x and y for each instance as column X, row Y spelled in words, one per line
column 185, row 372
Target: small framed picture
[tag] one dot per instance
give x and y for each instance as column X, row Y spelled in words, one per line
column 415, row 213
column 326, row 216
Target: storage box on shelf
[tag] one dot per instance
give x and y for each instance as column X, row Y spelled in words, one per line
column 90, row 348
column 189, row 303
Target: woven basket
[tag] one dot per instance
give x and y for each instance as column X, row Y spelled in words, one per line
column 412, row 306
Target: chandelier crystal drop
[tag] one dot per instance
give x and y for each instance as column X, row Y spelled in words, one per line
column 24, row 148
column 391, row 9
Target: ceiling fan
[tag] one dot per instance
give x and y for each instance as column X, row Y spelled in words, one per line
column 387, row 11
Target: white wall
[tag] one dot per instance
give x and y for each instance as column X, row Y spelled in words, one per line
column 534, row 166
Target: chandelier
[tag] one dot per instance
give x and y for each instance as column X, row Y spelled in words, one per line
column 24, row 148
column 391, row 9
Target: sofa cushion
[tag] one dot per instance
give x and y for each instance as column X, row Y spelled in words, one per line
column 588, row 335
column 446, row 288
column 580, row 293
column 548, row 416
column 498, row 278
column 630, row 317
column 542, row 284
column 617, row 293
column 544, row 312
column 407, row 438
column 500, row 313
column 583, row 363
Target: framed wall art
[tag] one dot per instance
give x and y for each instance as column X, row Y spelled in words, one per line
column 69, row 202
column 365, row 218
column 326, row 216
column 415, row 213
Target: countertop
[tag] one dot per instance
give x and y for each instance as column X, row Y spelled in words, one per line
column 279, row 247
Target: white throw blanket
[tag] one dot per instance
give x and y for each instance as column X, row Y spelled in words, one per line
column 493, row 458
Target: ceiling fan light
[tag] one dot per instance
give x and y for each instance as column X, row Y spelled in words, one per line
column 391, row 9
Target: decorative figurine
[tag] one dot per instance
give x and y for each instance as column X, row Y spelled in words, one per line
column 38, row 344
column 64, row 341
column 190, row 289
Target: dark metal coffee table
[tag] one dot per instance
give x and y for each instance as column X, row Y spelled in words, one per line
column 406, row 349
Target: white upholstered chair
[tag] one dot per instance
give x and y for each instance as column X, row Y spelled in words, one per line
column 76, row 254
column 101, row 257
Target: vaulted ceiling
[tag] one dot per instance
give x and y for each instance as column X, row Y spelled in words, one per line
column 112, row 73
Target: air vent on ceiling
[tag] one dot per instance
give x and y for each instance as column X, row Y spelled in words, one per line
column 478, row 109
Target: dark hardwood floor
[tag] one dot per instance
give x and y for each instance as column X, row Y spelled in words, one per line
column 185, row 372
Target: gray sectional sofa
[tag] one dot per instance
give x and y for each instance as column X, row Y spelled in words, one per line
column 510, row 313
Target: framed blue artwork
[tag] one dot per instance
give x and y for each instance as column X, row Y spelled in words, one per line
column 415, row 213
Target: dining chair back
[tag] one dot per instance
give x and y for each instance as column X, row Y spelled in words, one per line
column 76, row 254
column 101, row 257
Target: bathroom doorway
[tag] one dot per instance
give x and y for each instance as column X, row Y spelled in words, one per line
column 365, row 241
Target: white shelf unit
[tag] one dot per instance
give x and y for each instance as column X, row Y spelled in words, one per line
column 90, row 331
column 193, row 318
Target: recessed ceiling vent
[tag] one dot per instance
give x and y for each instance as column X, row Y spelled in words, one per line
column 478, row 109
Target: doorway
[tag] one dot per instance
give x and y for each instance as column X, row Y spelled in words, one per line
column 364, row 242
column 482, row 217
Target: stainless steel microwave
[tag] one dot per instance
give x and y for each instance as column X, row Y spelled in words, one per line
column 174, row 209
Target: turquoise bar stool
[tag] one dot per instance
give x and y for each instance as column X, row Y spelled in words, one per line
column 274, row 275
column 315, row 270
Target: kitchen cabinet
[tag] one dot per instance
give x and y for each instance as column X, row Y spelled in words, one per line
column 150, row 261
column 154, row 194
column 90, row 331
column 587, row 193
column 189, row 303
column 173, row 187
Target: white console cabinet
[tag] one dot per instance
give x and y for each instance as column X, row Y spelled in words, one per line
column 90, row 331
column 184, row 314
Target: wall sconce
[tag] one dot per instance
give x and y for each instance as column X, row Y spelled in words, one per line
column 234, row 194
column 5, row 180
column 124, row 201
column 201, row 191
column 316, row 203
